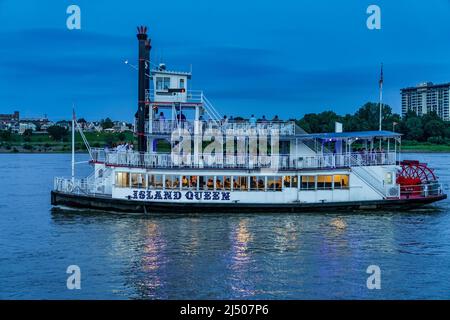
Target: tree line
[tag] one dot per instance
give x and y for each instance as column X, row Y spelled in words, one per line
column 426, row 128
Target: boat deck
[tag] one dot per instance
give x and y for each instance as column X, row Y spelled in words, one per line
column 213, row 161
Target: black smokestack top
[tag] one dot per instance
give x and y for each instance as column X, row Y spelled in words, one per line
column 142, row 33
column 143, row 84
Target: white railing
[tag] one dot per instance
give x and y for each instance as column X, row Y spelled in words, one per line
column 209, row 108
column 74, row 186
column 280, row 161
column 169, row 126
column 433, row 188
column 80, row 186
column 226, row 127
column 190, row 96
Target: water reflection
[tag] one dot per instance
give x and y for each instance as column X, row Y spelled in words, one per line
column 150, row 269
column 338, row 223
column 286, row 236
column 241, row 258
column 240, row 239
column 154, row 246
column 266, row 256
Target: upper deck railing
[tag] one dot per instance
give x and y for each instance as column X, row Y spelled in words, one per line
column 244, row 161
column 190, row 96
column 164, row 126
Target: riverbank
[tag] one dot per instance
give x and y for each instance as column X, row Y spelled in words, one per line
column 424, row 147
column 43, row 143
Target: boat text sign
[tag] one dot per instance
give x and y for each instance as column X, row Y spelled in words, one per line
column 168, row 195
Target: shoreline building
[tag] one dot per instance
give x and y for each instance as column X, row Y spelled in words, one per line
column 13, row 117
column 425, row 98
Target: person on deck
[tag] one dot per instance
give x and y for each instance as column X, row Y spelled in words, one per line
column 224, row 121
column 181, row 117
column 252, row 120
column 161, row 119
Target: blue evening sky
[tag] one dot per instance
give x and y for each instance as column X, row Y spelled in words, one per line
column 263, row 57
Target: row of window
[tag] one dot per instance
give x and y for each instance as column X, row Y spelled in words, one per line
column 228, row 183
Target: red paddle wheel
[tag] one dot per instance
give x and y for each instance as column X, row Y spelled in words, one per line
column 412, row 176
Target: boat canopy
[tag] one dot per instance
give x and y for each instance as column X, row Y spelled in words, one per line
column 355, row 135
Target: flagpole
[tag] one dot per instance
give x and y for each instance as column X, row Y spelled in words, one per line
column 381, row 95
column 73, row 144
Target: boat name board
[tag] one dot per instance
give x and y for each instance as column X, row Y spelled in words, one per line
column 144, row 195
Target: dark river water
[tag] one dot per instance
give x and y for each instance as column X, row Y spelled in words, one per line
column 215, row 256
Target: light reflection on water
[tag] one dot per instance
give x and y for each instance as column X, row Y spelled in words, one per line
column 207, row 256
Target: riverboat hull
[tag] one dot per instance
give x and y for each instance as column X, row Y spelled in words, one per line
column 148, row 207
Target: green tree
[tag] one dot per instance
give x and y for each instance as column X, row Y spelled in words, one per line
column 57, row 133
column 122, row 136
column 106, row 123
column 434, row 128
column 27, row 134
column 5, row 135
column 414, row 129
column 368, row 117
column 319, row 122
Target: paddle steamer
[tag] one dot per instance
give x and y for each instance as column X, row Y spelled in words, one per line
column 214, row 164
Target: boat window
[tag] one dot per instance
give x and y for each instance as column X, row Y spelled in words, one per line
column 324, row 182
column 261, row 183
column 227, row 183
column 122, row 179
column 257, row 183
column 202, row 182
column 341, row 181
column 193, row 182
column 206, row 182
column 236, row 184
column 290, row 182
column 185, row 182
column 274, row 183
column 287, row 181
column 294, row 182
column 388, row 178
column 219, row 183
column 158, row 181
column 308, row 183
column 138, row 180
column 189, row 182
column 181, row 83
column 240, row 183
column 162, row 83
column 172, row 182
column 151, row 181
column 278, row 183
column 155, row 181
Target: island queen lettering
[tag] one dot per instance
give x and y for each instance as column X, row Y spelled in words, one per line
column 155, row 195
